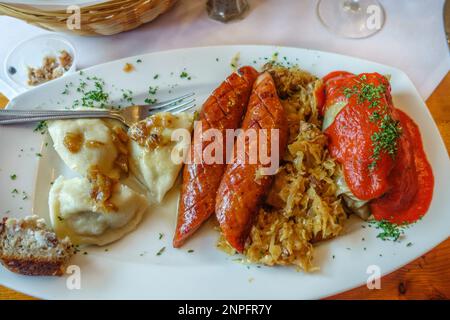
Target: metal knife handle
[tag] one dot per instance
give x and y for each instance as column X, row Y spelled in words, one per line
column 23, row 116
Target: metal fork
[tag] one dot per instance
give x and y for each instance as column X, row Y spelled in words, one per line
column 128, row 116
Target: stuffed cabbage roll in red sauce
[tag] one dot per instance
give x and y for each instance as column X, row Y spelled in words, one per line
column 378, row 146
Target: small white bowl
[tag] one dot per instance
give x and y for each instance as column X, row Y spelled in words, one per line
column 30, row 53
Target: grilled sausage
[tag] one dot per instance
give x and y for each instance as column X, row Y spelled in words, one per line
column 242, row 188
column 223, row 110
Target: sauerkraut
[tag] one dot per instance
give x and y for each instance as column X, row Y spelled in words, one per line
column 302, row 207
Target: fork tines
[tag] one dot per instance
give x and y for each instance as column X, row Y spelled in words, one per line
column 169, row 103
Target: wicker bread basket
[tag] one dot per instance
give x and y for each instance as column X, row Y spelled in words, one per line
column 101, row 19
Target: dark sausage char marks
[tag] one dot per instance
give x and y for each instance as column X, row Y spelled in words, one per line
column 242, row 190
column 223, row 110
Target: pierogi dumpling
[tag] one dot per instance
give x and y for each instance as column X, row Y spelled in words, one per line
column 84, row 143
column 152, row 149
column 96, row 211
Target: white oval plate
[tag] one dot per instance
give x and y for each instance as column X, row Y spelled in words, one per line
column 131, row 269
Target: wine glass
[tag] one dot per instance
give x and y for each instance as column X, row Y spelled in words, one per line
column 351, row 18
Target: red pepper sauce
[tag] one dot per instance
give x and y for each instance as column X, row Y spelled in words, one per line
column 411, row 180
column 401, row 182
column 320, row 92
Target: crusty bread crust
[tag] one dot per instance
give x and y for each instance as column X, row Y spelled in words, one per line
column 32, row 266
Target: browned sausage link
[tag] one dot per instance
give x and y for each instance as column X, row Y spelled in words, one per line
column 242, row 188
column 223, row 110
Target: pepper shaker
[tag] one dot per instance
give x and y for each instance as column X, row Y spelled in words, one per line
column 226, row 10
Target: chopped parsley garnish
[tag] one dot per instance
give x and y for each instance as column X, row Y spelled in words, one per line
column 366, row 92
column 151, row 93
column 161, row 235
column 41, row 127
column 185, row 75
column 66, row 88
column 385, row 140
column 150, row 100
column 156, row 76
column 13, row 176
column 388, row 230
column 39, row 155
column 127, row 96
column 161, row 251
column 138, row 61
column 409, row 244
column 93, row 93
column 375, row 116
column 152, row 90
column 15, row 191
column 190, row 251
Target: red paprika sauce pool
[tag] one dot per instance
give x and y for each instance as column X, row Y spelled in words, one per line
column 397, row 179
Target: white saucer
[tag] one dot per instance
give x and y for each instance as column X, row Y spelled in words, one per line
column 30, row 53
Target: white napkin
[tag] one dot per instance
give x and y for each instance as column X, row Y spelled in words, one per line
column 412, row 39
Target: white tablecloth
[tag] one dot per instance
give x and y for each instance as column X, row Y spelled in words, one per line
column 413, row 38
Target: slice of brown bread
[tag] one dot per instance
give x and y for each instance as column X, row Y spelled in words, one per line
column 29, row 247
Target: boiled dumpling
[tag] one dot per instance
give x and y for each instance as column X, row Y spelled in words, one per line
column 152, row 149
column 96, row 211
column 85, row 143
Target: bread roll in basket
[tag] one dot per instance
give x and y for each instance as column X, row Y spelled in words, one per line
column 104, row 18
